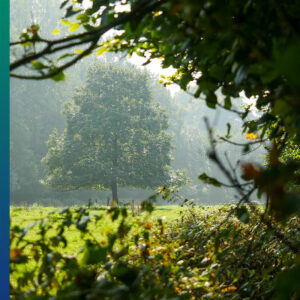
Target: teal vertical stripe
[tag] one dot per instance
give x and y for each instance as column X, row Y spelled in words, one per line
column 4, row 150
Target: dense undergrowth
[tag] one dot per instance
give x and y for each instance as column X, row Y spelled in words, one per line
column 206, row 253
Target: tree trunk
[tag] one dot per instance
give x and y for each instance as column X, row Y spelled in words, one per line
column 114, row 184
column 114, row 191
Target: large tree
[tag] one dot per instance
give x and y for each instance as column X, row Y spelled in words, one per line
column 115, row 135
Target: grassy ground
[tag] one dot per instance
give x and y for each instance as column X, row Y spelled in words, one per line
column 205, row 251
column 22, row 215
column 25, row 216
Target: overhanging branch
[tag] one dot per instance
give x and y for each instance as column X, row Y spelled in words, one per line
column 91, row 37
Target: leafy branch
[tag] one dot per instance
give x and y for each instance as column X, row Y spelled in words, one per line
column 92, row 37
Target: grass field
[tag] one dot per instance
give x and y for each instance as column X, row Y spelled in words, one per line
column 27, row 216
column 183, row 252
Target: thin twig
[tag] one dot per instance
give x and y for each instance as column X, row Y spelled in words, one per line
column 213, row 155
column 243, row 144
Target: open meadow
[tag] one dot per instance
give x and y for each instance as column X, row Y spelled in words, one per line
column 30, row 216
column 172, row 252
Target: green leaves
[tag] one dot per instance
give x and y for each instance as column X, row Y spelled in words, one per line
column 209, row 180
column 38, row 65
column 114, row 212
column 227, row 104
column 70, row 11
column 101, row 51
column 56, row 31
column 287, row 282
column 83, row 18
column 147, row 206
column 138, row 141
column 206, row 84
column 125, row 273
column 73, row 27
column 185, row 79
column 59, row 76
column 93, row 254
column 217, row 72
column 243, row 214
column 65, row 22
column 211, row 100
column 288, row 62
column 82, row 224
column 96, row 5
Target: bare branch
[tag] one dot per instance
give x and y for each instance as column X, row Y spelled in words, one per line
column 243, row 144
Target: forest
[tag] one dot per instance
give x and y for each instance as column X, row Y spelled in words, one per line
column 154, row 149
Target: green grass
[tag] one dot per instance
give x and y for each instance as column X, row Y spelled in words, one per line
column 25, row 216
column 197, row 248
column 21, row 215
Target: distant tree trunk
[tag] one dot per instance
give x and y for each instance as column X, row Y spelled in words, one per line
column 114, row 184
column 114, row 190
column 132, row 207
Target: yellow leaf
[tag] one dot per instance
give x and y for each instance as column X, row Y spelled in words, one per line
column 115, row 202
column 251, row 136
column 55, row 31
column 73, row 27
column 14, row 253
column 229, row 289
column 78, row 51
column 250, row 171
column 101, row 51
column 27, row 44
column 65, row 22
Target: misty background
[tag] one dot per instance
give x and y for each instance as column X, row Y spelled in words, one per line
column 36, row 110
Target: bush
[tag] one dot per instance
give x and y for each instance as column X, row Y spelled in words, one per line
column 210, row 252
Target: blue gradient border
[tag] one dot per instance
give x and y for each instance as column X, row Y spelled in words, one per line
column 4, row 150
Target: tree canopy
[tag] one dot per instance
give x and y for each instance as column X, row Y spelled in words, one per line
column 115, row 135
